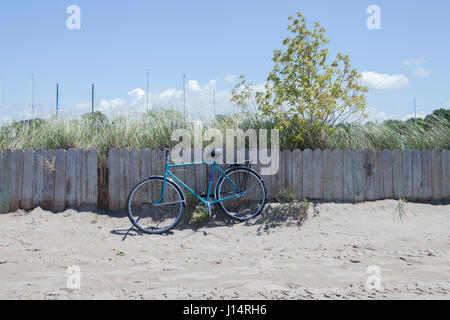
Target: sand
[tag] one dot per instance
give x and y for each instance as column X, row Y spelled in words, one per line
column 325, row 257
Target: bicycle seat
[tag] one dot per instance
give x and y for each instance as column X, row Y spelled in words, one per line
column 215, row 152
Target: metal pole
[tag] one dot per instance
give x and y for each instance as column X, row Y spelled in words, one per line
column 147, row 88
column 92, row 98
column 57, row 98
column 184, row 96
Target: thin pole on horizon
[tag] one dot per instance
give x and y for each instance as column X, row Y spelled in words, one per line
column 148, row 72
column 32, row 95
column 184, row 96
column 57, row 99
column 92, row 107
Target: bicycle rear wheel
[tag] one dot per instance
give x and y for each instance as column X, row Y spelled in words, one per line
column 151, row 212
column 242, row 193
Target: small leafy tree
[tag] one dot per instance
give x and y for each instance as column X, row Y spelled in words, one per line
column 305, row 93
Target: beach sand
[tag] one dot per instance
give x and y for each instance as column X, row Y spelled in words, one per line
column 325, row 257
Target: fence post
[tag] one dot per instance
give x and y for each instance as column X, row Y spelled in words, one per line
column 417, row 175
column 427, row 175
column 369, row 176
column 317, row 174
column 113, row 179
column 407, row 175
column 92, row 178
column 387, row 174
column 6, row 176
column 348, row 175
column 48, row 202
column 358, row 175
column 60, row 180
column 297, row 173
column 437, row 175
column 27, row 184
column 397, row 173
column 71, row 170
column 445, row 175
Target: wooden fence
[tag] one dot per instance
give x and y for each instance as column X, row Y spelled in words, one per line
column 349, row 175
column 59, row 179
column 52, row 179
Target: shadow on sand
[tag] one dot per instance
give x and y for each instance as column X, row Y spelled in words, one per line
column 274, row 215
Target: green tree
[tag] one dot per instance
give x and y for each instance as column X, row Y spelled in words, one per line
column 306, row 93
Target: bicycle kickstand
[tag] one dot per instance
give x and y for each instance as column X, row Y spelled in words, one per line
column 210, row 212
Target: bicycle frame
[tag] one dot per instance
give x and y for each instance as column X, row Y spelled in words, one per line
column 207, row 202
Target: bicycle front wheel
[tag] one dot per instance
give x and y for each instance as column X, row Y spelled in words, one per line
column 241, row 192
column 150, row 210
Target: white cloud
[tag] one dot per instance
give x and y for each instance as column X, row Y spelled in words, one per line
column 378, row 81
column 420, row 114
column 231, row 78
column 199, row 101
column 422, row 72
column 193, row 85
column 106, row 105
column 376, row 115
column 415, row 62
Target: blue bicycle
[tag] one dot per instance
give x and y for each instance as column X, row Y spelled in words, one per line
column 157, row 204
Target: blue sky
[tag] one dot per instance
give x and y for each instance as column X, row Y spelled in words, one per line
column 211, row 42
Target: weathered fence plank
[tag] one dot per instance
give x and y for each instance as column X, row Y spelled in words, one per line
column 378, row 174
column 276, row 177
column 113, row 179
column 407, row 175
column 146, row 164
column 348, row 176
column 1, row 180
column 6, row 177
column 134, row 171
column 71, row 171
column 338, row 175
column 60, row 180
column 317, row 174
column 397, row 173
column 427, row 175
column 387, row 174
column 417, row 175
column 297, row 173
column 285, row 168
column 200, row 172
column 307, row 174
column 49, row 180
column 27, row 184
column 78, row 176
column 38, row 177
column 92, row 178
column 358, row 175
column 84, row 178
column 446, row 175
column 436, row 175
column 327, row 175
column 369, row 176
column 17, row 179
column 124, row 165
column 190, row 172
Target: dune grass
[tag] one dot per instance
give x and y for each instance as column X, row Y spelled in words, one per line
column 154, row 130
